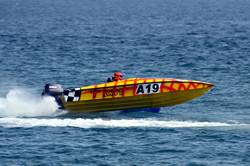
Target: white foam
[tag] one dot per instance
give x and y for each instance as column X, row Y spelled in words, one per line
column 20, row 103
column 103, row 123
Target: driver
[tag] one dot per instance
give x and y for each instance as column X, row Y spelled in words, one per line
column 117, row 76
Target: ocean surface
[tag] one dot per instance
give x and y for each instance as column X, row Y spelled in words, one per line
column 82, row 42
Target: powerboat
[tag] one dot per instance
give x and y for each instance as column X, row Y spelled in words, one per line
column 132, row 93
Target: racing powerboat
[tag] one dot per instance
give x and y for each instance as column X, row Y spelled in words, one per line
column 132, row 93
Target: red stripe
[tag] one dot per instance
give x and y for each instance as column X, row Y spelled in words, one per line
column 94, row 92
column 170, row 88
column 134, row 89
column 191, row 84
column 124, row 88
column 182, row 85
column 162, row 85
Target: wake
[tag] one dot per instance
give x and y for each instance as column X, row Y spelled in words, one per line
column 20, row 103
column 20, row 109
column 104, row 123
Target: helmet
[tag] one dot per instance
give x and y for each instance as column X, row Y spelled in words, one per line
column 118, row 74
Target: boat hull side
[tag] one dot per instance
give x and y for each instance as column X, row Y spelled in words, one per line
column 140, row 101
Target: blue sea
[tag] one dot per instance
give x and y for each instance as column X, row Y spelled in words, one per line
column 82, row 42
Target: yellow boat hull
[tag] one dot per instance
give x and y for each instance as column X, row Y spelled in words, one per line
column 135, row 93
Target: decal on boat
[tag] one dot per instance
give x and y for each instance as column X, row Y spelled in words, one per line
column 72, row 94
column 148, row 88
column 112, row 92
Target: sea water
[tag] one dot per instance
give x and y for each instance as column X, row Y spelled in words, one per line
column 80, row 42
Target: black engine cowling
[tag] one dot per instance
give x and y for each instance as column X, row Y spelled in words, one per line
column 54, row 90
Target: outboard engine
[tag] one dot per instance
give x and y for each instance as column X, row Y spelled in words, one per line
column 54, row 90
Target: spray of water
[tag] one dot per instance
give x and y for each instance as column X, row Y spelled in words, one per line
column 20, row 103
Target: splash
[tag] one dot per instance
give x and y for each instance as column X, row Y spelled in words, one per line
column 20, row 103
column 104, row 123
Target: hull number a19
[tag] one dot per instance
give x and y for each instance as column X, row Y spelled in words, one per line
column 148, row 88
